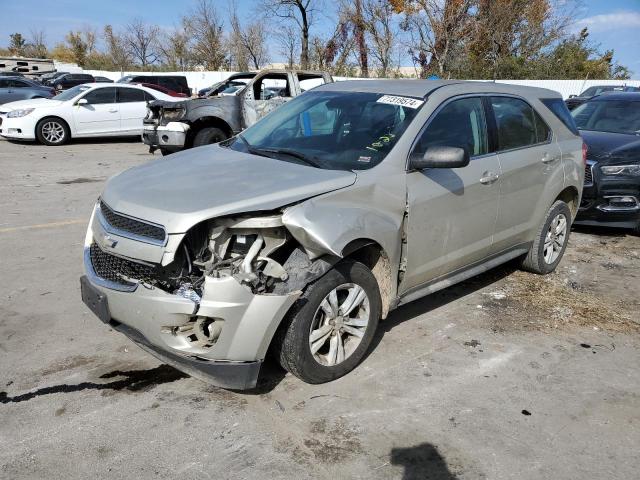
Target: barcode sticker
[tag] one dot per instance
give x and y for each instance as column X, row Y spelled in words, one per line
column 401, row 101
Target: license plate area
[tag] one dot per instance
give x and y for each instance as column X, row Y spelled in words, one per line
column 95, row 300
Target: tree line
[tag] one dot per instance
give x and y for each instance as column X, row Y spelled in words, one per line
column 473, row 39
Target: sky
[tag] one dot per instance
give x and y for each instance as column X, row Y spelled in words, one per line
column 615, row 24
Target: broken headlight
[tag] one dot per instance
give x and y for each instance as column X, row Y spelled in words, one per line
column 173, row 114
column 624, row 170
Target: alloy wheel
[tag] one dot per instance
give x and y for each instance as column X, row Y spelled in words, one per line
column 53, row 132
column 555, row 238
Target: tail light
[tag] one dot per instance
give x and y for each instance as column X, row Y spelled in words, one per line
column 584, row 153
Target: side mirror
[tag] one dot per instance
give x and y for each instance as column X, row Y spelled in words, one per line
column 82, row 101
column 440, row 157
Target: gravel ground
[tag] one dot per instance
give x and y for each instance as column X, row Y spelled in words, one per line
column 506, row 376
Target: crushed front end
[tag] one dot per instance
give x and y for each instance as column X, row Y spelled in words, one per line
column 163, row 128
column 207, row 301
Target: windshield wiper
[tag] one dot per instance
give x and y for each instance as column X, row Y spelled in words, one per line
column 292, row 153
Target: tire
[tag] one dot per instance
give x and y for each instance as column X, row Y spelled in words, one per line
column 164, row 152
column 209, row 135
column 52, row 131
column 540, row 259
column 292, row 342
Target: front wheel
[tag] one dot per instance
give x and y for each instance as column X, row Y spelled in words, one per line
column 550, row 241
column 330, row 327
column 52, row 131
column 209, row 135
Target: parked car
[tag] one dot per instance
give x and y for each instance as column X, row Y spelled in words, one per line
column 19, row 88
column 103, row 80
column 11, row 74
column 177, row 83
column 91, row 110
column 576, row 100
column 236, row 81
column 299, row 234
column 48, row 77
column 166, row 91
column 610, row 125
column 70, row 80
column 202, row 121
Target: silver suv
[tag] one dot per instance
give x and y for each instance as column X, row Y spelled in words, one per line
column 298, row 235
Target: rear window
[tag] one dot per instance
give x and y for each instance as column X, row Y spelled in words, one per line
column 560, row 110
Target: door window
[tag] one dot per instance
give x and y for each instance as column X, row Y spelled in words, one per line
column 516, row 123
column 128, row 95
column 101, row 95
column 271, row 86
column 460, row 123
column 17, row 84
column 4, row 83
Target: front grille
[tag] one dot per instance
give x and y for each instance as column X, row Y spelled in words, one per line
column 130, row 225
column 588, row 175
column 116, row 269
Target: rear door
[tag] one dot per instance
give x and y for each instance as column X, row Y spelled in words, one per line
column 5, row 91
column 451, row 211
column 264, row 94
column 530, row 161
column 100, row 115
column 133, row 108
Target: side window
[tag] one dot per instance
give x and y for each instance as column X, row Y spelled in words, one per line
column 4, row 83
column 271, row 86
column 560, row 110
column 148, row 97
column 515, row 122
column 17, row 84
column 101, row 95
column 307, row 82
column 460, row 123
column 543, row 133
column 128, row 95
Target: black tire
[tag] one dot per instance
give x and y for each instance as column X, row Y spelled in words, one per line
column 535, row 259
column 48, row 122
column 164, row 152
column 291, row 343
column 209, row 135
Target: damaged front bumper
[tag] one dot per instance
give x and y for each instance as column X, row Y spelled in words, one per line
column 171, row 136
column 222, row 339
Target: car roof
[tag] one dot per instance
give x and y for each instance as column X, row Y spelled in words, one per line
column 422, row 88
column 605, row 96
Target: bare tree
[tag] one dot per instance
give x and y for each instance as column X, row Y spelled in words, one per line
column 141, row 40
column 37, row 45
column 90, row 36
column 116, row 49
column 301, row 12
column 251, row 41
column 207, row 30
column 380, row 29
column 174, row 47
column 288, row 44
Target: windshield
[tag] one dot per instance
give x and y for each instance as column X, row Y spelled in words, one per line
column 616, row 116
column 72, row 92
column 592, row 91
column 331, row 130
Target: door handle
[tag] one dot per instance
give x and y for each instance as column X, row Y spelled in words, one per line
column 488, row 178
column 550, row 159
column 113, row 110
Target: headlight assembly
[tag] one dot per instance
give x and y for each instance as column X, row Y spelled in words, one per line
column 173, row 114
column 20, row 112
column 625, row 170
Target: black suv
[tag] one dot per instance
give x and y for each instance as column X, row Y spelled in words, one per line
column 69, row 80
column 177, row 83
column 576, row 100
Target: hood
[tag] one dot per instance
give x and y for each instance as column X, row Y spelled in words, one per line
column 33, row 103
column 606, row 146
column 207, row 182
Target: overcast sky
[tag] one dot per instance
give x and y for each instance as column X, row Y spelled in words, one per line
column 613, row 23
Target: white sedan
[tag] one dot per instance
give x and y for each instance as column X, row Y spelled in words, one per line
column 89, row 110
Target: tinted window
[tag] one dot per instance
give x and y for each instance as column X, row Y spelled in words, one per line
column 126, row 95
column 515, row 122
column 18, row 84
column 616, row 116
column 460, row 123
column 3, row 83
column 543, row 133
column 560, row 110
column 148, row 97
column 101, row 95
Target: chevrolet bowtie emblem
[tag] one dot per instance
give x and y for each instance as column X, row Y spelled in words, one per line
column 108, row 241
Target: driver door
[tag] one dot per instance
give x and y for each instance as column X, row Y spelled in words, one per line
column 451, row 211
column 263, row 95
column 100, row 115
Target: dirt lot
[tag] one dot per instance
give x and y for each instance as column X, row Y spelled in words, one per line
column 506, row 376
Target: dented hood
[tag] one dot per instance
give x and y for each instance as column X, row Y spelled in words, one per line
column 201, row 183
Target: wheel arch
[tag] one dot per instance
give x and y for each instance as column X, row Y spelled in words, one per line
column 56, row 117
column 571, row 197
column 206, row 122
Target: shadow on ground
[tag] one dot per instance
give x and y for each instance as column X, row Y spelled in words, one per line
column 132, row 380
column 421, row 462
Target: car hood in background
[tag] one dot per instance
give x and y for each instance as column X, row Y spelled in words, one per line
column 207, row 182
column 611, row 147
column 33, row 103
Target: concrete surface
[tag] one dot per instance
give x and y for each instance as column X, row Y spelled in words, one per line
column 507, row 376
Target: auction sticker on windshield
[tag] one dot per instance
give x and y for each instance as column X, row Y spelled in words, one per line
column 401, row 101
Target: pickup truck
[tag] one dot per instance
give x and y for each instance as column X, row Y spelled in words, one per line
column 174, row 126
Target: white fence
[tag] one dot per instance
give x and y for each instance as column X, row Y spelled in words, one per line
column 198, row 80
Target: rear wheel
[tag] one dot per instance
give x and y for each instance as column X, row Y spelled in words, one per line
column 329, row 329
column 209, row 135
column 550, row 241
column 52, row 131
